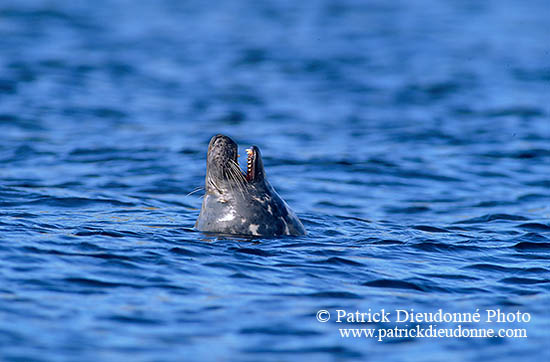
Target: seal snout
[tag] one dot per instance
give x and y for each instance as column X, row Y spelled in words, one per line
column 222, row 140
column 222, row 147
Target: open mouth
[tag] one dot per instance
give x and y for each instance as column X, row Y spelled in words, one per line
column 253, row 164
column 250, row 164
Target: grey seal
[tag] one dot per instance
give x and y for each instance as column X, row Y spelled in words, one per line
column 242, row 203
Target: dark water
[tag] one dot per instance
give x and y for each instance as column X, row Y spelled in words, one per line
column 411, row 137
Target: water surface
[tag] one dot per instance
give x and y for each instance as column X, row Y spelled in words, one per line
column 412, row 139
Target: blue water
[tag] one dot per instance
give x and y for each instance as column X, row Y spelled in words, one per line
column 412, row 138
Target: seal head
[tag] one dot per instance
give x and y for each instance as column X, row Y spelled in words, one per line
column 242, row 203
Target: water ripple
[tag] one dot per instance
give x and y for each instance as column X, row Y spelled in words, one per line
column 415, row 152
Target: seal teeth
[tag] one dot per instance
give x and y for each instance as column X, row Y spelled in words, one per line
column 249, row 160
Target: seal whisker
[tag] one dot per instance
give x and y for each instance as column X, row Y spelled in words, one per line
column 229, row 176
column 236, row 176
column 236, row 167
column 197, row 189
column 239, row 177
column 213, row 184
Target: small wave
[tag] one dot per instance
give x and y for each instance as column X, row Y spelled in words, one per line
column 114, row 234
column 494, row 267
column 338, row 352
column 522, row 154
column 414, row 174
column 252, row 251
column 240, row 275
column 492, row 217
column 280, row 331
column 24, row 123
column 532, row 236
column 89, row 247
column 36, row 250
column 451, row 276
column 387, row 242
column 392, row 283
column 533, row 197
column 335, row 295
column 493, row 203
column 540, row 183
column 535, row 226
column 430, row 229
column 528, row 245
column 98, row 283
column 135, row 320
column 519, row 111
column 182, row 251
column 442, row 247
column 72, row 202
column 407, row 210
column 338, row 261
column 517, row 280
